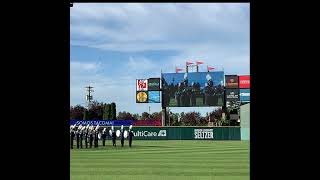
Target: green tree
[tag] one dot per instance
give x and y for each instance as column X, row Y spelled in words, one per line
column 108, row 112
column 135, row 117
column 156, row 116
column 86, row 115
column 113, row 114
column 124, row 116
column 77, row 112
column 105, row 112
column 191, row 119
column 145, row 116
column 96, row 111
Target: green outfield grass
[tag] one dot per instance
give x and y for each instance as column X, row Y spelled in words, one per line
column 163, row 160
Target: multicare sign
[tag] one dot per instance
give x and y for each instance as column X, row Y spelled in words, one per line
column 160, row 133
column 244, row 81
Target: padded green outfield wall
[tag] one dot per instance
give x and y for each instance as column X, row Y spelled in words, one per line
column 185, row 133
column 245, row 121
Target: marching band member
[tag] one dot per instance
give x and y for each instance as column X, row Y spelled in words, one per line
column 114, row 136
column 104, row 135
column 96, row 136
column 71, row 136
column 86, row 136
column 90, row 136
column 122, row 136
column 81, row 135
column 78, row 137
column 130, row 135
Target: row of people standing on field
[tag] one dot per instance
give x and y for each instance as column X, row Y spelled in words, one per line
column 91, row 136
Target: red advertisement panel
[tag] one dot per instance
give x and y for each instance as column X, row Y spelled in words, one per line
column 244, row 81
column 147, row 123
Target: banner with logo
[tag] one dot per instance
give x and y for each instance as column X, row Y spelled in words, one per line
column 141, row 97
column 154, row 96
column 116, row 122
column 154, row 84
column 170, row 133
column 244, row 81
column 232, row 95
column 245, row 95
column 185, row 133
column 142, row 84
column 231, row 81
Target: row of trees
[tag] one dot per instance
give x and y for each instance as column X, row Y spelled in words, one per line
column 195, row 118
column 99, row 111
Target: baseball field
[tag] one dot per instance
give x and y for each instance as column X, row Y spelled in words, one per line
column 165, row 160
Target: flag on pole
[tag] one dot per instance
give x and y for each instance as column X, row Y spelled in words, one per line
column 178, row 69
column 188, row 63
column 210, row 68
column 199, row 62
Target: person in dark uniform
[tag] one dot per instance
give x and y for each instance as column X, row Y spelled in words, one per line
column 78, row 137
column 97, row 138
column 104, row 136
column 130, row 135
column 81, row 137
column 193, row 94
column 94, row 138
column 86, row 136
column 114, row 136
column 71, row 136
column 91, row 137
column 122, row 136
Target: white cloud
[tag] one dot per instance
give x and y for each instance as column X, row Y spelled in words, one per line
column 217, row 33
column 76, row 67
column 139, row 27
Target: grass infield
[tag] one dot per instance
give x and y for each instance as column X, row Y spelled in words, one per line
column 163, row 160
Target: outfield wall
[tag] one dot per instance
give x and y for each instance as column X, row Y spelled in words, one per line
column 245, row 121
column 185, row 133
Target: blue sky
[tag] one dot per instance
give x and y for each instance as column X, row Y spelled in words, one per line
column 113, row 44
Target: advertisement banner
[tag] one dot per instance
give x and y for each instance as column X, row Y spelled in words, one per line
column 141, row 97
column 142, row 84
column 232, row 81
column 116, row 122
column 101, row 122
column 185, row 133
column 154, row 84
column 203, row 133
column 245, row 95
column 232, row 95
column 147, row 123
column 244, row 81
column 173, row 133
column 195, row 89
column 154, row 96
